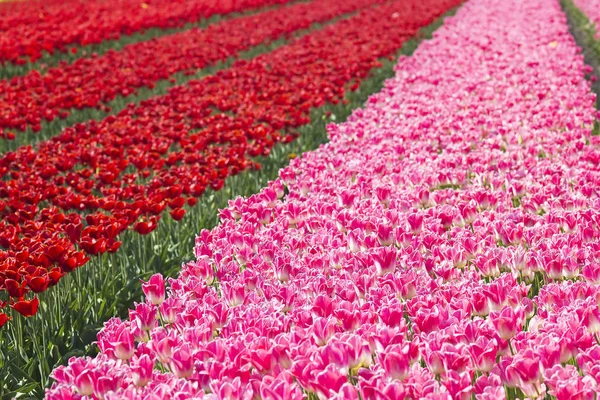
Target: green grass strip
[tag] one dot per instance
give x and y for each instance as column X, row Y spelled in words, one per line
column 584, row 32
column 71, row 313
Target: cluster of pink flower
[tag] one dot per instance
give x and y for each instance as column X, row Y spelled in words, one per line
column 443, row 245
column 592, row 9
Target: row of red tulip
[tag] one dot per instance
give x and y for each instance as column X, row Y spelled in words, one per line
column 126, row 170
column 29, row 28
column 444, row 245
column 28, row 100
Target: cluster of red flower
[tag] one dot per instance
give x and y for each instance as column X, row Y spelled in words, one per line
column 94, row 81
column 29, row 28
column 127, row 169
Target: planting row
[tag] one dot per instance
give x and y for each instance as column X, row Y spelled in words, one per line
column 31, row 27
column 592, row 9
column 94, row 81
column 434, row 249
column 126, row 170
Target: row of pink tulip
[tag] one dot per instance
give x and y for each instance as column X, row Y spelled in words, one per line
column 445, row 244
column 592, row 10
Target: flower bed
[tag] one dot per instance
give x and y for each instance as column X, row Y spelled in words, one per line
column 592, row 9
column 31, row 27
column 29, row 100
column 126, row 170
column 444, row 244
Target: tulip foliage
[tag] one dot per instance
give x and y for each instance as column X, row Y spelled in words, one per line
column 443, row 245
column 94, row 81
column 123, row 172
column 33, row 27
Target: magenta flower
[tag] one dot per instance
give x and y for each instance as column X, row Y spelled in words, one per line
column 506, row 322
column 396, row 364
column 84, row 382
column 182, row 362
column 154, row 289
column 385, row 260
column 123, row 345
column 142, row 370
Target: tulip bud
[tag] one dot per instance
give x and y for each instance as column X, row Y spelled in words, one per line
column 104, row 385
column 154, row 289
column 164, row 349
column 169, row 309
column 142, row 370
column 182, row 362
column 124, row 346
column 505, row 322
column 396, row 365
column 323, row 330
column 84, row 382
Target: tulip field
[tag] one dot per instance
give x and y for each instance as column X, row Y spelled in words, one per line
column 300, row 199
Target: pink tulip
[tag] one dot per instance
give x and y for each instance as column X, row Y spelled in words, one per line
column 220, row 313
column 385, row 235
column 154, row 289
column 383, row 194
column 142, row 370
column 164, row 348
column 123, row 344
column 280, row 389
column 229, row 389
column 234, row 294
column 182, row 362
column 591, row 319
column 323, row 330
column 169, row 310
column 144, row 316
column 84, row 382
column 396, row 364
column 330, row 380
column 104, row 385
column 385, row 260
column 506, row 322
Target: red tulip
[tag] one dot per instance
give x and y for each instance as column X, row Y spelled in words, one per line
column 38, row 284
column 54, row 276
column 4, row 319
column 27, row 308
column 177, row 214
column 14, row 288
column 73, row 231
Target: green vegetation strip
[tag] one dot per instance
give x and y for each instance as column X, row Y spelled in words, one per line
column 71, row 313
column 584, row 31
column 74, row 52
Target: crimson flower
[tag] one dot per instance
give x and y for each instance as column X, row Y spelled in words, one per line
column 27, row 308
